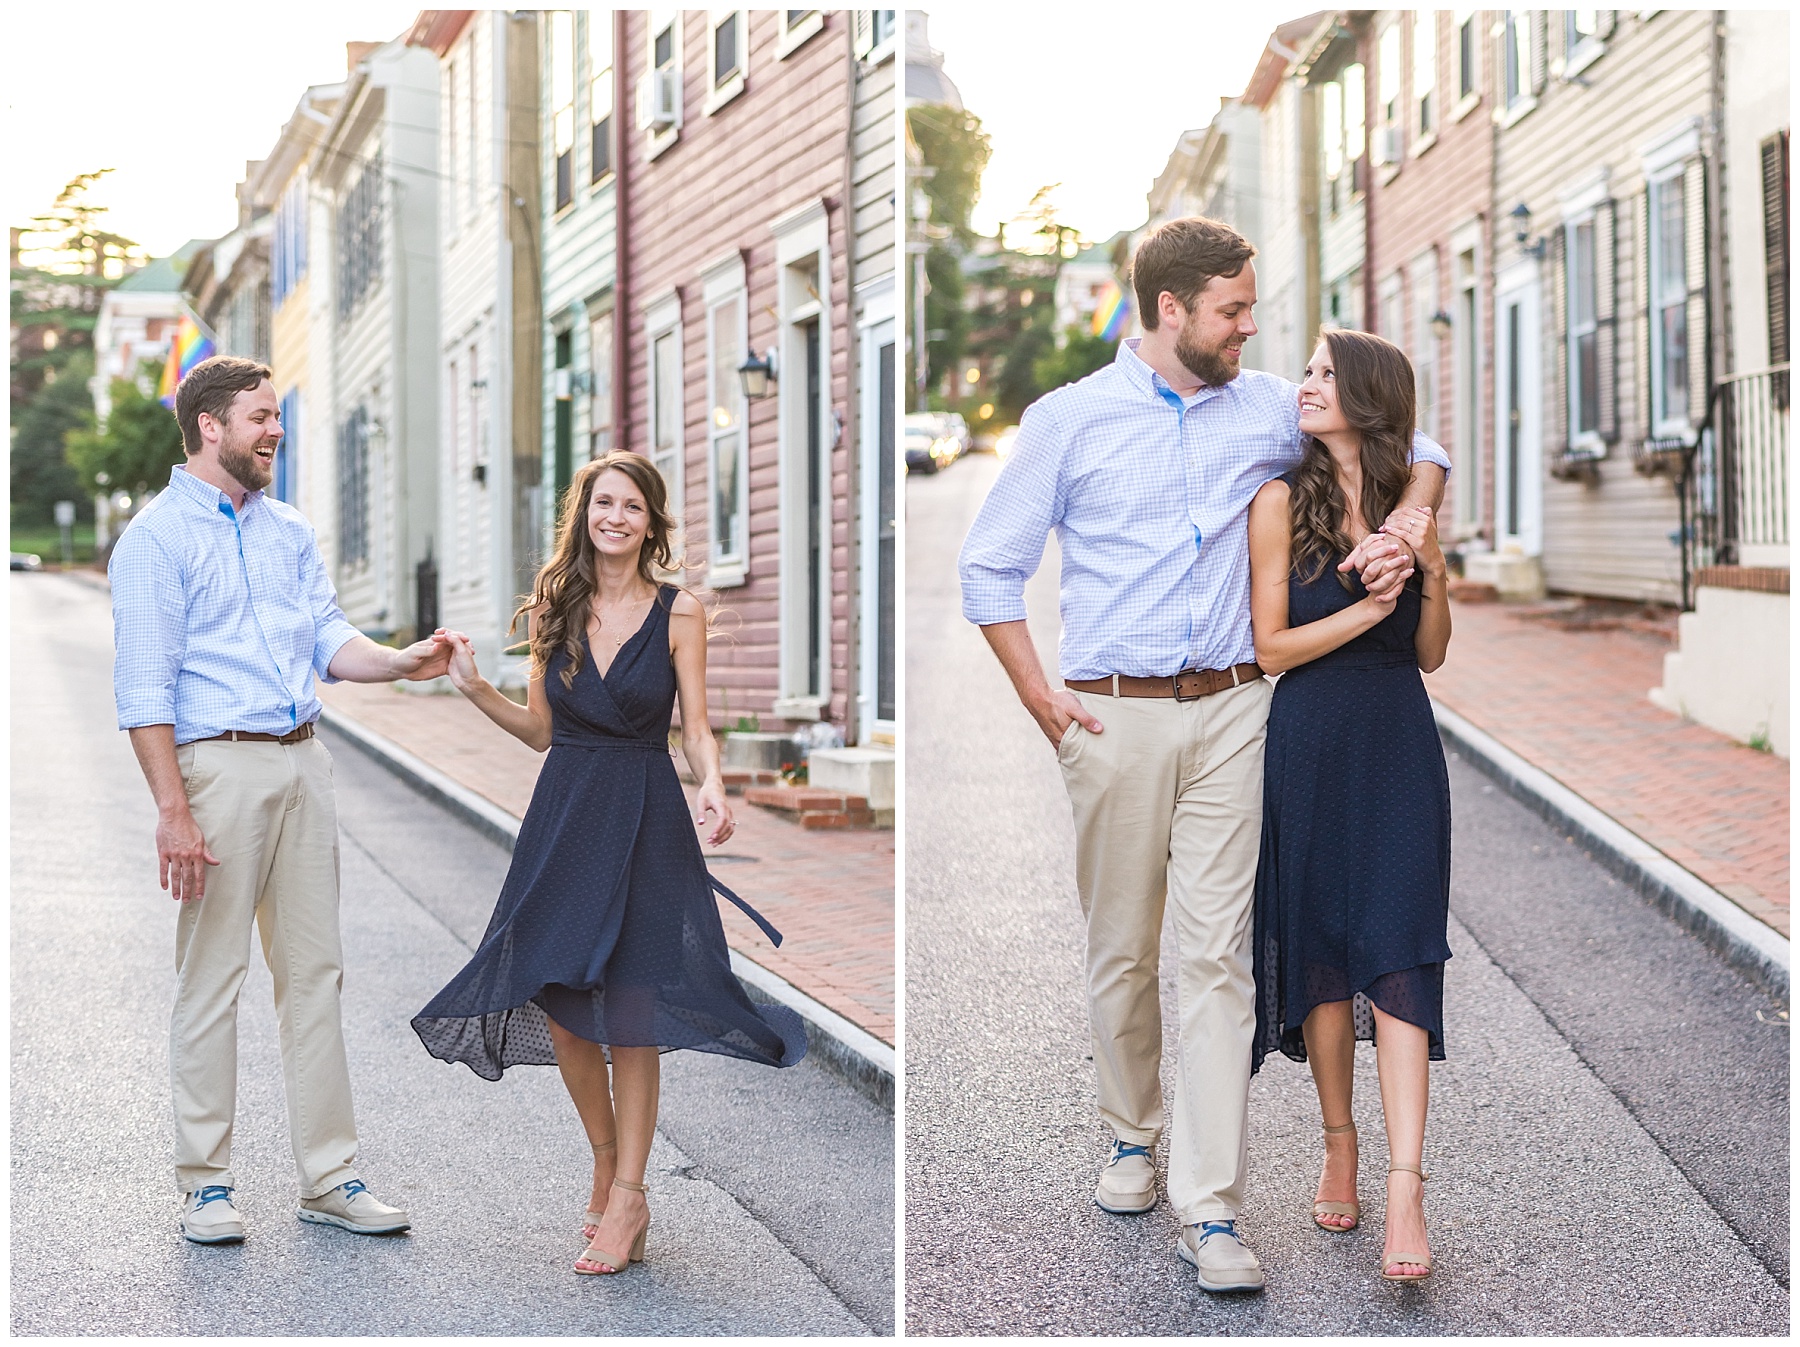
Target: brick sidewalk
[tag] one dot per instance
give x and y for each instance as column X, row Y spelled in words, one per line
column 1572, row 700
column 830, row 894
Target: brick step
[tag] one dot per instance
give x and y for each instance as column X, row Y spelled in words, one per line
column 814, row 809
column 739, row 779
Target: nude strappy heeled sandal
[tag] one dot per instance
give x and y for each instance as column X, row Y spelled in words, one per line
column 1351, row 1208
column 1395, row 1260
column 599, row 1262
column 590, row 1220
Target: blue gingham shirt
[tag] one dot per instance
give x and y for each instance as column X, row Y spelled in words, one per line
column 221, row 617
column 1149, row 495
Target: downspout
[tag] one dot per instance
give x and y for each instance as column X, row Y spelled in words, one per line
column 852, row 363
column 621, row 352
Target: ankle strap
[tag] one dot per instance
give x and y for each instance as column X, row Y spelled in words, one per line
column 633, row 1187
column 1408, row 1169
column 1347, row 1127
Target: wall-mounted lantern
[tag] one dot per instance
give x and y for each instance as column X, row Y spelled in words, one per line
column 757, row 374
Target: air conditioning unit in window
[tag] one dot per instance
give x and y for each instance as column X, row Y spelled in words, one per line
column 658, row 100
column 1384, row 145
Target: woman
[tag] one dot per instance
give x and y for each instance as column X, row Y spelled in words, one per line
column 606, row 941
column 1352, row 888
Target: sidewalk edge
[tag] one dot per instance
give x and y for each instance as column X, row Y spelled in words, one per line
column 1744, row 942
column 852, row 1052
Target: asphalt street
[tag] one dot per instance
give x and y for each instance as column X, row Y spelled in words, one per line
column 1608, row 1138
column 772, row 1191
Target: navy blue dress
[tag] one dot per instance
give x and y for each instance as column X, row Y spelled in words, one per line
column 1353, row 883
column 606, row 922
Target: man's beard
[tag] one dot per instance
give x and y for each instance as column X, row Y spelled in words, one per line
column 1209, row 366
column 250, row 471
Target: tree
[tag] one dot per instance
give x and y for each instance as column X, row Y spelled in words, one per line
column 954, row 150
column 1080, row 354
column 40, row 474
column 140, row 443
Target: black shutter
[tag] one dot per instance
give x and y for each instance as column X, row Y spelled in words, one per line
column 1560, row 253
column 1606, row 316
column 1540, row 49
column 1699, row 329
column 1775, row 241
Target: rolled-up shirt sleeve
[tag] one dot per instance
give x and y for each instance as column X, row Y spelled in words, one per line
column 1424, row 447
column 1006, row 542
column 332, row 631
column 149, row 629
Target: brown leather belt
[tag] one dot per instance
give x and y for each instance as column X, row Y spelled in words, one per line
column 256, row 737
column 1183, row 687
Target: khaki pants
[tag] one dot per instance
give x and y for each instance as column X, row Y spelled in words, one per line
column 269, row 814
column 1168, row 801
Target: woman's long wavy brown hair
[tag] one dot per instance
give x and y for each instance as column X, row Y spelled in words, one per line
column 1375, row 391
column 558, row 606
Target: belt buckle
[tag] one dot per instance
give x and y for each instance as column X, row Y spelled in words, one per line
column 1198, row 686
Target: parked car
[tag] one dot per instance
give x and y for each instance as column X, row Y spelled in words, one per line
column 27, row 561
column 928, row 448
column 957, row 430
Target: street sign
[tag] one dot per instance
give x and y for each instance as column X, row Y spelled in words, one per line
column 65, row 513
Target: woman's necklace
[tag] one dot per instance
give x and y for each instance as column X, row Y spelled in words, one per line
column 613, row 622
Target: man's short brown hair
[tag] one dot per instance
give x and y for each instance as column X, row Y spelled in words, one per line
column 210, row 387
column 1181, row 256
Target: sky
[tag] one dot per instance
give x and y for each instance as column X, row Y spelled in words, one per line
column 1067, row 100
column 175, row 99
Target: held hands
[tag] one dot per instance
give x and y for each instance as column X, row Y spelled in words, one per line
column 1055, row 713
column 1416, row 526
column 1385, row 562
column 421, row 660
column 182, row 857
column 710, row 799
column 459, row 654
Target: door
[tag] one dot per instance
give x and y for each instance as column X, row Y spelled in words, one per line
column 1518, row 435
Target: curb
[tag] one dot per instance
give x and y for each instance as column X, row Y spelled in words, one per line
column 1744, row 942
column 863, row 1060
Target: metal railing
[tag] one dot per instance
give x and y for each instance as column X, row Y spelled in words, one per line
column 1733, row 481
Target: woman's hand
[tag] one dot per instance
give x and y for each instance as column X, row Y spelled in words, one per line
column 710, row 799
column 1416, row 525
column 464, row 676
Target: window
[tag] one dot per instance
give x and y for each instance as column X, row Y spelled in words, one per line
column 600, row 94
column 600, row 375
column 1517, row 42
column 662, row 335
column 562, row 103
column 1468, row 51
column 478, row 162
column 1582, row 273
column 659, row 93
column 359, row 239
column 353, row 489
column 1342, row 127
column 1424, row 339
column 1668, row 306
column 872, row 34
column 1467, row 372
column 287, row 244
column 1424, row 90
column 797, row 25
column 1391, row 324
column 728, row 520
column 726, row 57
column 453, row 120
column 1389, row 75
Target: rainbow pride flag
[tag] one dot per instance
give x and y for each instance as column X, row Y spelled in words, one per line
column 191, row 345
column 1110, row 317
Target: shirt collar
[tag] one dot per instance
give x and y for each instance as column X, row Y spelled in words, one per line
column 1139, row 372
column 204, row 493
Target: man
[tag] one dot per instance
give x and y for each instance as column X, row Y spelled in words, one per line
column 222, row 615
column 1146, row 471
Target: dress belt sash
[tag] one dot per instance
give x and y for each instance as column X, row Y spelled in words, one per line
column 748, row 911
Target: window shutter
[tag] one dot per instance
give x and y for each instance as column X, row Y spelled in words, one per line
column 1606, row 315
column 1560, row 256
column 1775, row 241
column 862, row 28
column 1605, row 21
column 1540, row 49
column 1699, row 332
column 1640, row 308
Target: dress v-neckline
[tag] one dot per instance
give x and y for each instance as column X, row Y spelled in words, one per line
column 617, row 654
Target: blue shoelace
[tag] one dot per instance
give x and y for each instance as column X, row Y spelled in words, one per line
column 212, row 1193
column 1216, row 1228
column 352, row 1188
column 1121, row 1150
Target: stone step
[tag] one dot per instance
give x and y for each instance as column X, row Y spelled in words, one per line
column 813, row 808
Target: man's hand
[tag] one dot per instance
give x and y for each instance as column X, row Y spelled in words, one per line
column 1056, row 709
column 182, row 856
column 429, row 658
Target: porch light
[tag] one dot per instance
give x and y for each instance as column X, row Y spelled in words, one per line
column 1441, row 322
column 757, row 374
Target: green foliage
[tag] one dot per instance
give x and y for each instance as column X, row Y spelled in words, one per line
column 140, row 443
column 1079, row 356
column 40, row 473
column 955, row 150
